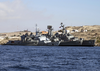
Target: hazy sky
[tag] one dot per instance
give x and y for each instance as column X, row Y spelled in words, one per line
column 18, row 15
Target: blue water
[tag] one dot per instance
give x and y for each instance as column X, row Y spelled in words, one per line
column 44, row 58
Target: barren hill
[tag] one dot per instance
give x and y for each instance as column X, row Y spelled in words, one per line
column 93, row 32
column 90, row 28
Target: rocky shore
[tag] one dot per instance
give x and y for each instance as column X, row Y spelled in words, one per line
column 92, row 33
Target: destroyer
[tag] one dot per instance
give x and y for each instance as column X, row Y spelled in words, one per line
column 64, row 39
column 70, row 40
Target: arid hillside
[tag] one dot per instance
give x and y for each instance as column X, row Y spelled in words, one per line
column 92, row 32
column 89, row 28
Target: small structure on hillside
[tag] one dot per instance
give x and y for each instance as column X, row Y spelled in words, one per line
column 2, row 34
column 83, row 30
column 74, row 30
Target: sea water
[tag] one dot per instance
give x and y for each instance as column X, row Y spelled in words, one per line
column 49, row 58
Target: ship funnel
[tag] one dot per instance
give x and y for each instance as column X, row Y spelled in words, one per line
column 49, row 27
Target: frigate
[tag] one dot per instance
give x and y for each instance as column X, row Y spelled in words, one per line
column 63, row 39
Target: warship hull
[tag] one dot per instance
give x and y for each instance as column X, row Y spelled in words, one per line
column 33, row 44
column 88, row 43
column 65, row 43
column 70, row 43
column 77, row 43
column 21, row 44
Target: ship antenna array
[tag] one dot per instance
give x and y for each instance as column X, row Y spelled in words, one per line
column 37, row 30
column 62, row 26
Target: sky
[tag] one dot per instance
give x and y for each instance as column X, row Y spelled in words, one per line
column 19, row 15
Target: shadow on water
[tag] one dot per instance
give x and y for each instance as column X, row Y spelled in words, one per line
column 19, row 67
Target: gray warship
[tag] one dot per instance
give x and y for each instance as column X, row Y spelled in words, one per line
column 70, row 40
column 64, row 39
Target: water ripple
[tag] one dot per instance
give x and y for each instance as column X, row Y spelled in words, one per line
column 19, row 67
column 42, row 58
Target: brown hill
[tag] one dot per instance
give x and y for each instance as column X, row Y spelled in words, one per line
column 93, row 32
column 93, row 27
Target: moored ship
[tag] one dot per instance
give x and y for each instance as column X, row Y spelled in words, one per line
column 63, row 39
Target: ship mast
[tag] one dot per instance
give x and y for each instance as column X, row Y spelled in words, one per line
column 37, row 30
column 63, row 28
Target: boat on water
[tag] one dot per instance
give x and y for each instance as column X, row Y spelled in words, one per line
column 63, row 39
column 70, row 40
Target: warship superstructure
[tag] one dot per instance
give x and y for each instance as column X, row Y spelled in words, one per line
column 70, row 40
column 63, row 39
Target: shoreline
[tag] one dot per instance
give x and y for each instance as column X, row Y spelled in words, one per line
column 92, row 33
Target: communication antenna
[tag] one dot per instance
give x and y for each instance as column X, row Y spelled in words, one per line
column 36, row 30
column 63, row 26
